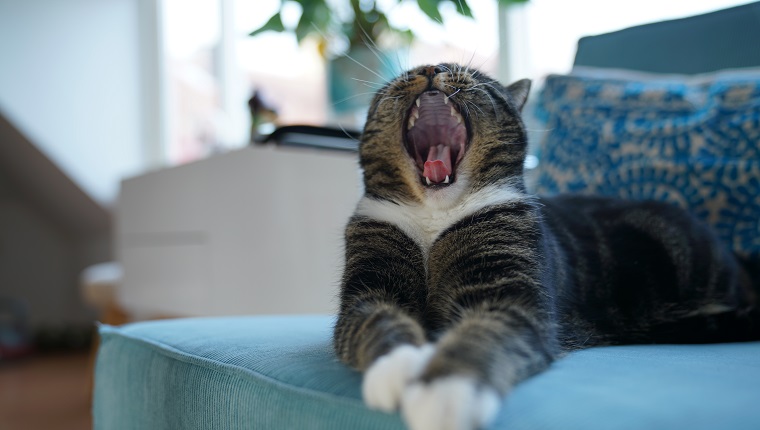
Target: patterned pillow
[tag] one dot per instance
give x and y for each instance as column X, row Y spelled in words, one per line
column 694, row 142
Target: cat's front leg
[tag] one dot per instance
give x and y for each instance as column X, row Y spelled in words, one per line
column 475, row 364
column 389, row 375
column 494, row 313
column 449, row 403
column 382, row 296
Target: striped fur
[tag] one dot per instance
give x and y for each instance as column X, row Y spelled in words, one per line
column 500, row 283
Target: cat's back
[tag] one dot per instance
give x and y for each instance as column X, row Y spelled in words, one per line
column 623, row 223
column 627, row 233
column 579, row 209
column 635, row 265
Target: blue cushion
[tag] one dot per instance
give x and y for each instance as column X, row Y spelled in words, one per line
column 281, row 373
column 698, row 44
column 694, row 142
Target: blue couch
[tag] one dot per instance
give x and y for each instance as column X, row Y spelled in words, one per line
column 280, row 373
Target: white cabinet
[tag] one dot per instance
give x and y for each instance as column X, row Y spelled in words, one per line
column 254, row 231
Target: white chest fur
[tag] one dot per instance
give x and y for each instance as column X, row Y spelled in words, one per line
column 424, row 222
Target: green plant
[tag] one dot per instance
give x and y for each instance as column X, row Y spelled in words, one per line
column 361, row 23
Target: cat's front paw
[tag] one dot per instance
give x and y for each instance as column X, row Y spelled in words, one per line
column 386, row 378
column 449, row 403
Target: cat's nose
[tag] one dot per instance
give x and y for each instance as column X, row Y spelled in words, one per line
column 431, row 71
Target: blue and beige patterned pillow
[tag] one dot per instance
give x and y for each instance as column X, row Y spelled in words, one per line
column 691, row 141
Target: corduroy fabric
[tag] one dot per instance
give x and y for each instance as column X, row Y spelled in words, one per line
column 281, row 373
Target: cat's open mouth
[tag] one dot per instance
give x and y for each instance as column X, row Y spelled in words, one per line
column 436, row 137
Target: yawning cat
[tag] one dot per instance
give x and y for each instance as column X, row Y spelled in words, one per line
column 458, row 284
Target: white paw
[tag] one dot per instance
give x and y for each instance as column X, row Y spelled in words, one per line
column 450, row 403
column 387, row 377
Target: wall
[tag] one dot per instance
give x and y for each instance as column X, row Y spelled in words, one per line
column 37, row 264
column 71, row 82
column 50, row 230
column 73, row 90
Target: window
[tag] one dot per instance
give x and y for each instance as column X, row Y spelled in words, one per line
column 213, row 67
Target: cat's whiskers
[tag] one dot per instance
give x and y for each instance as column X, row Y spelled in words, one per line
column 371, row 84
column 466, row 109
column 490, row 84
column 370, row 43
column 353, row 97
column 493, row 104
column 348, row 135
column 350, row 57
column 457, row 75
column 469, row 63
column 365, row 67
column 452, row 94
column 465, row 102
column 443, row 66
column 386, row 98
column 476, row 69
column 473, row 105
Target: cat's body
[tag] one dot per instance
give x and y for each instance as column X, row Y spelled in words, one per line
column 458, row 284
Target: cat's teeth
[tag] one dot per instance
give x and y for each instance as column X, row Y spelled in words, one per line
column 446, row 181
column 445, row 99
column 427, row 180
column 456, row 115
column 417, row 102
column 411, row 122
column 416, row 113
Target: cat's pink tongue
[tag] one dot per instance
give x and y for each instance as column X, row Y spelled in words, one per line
column 438, row 164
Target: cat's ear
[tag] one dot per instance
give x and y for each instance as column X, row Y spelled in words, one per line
column 519, row 92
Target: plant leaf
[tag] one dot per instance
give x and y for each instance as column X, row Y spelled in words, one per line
column 462, row 7
column 304, row 24
column 274, row 24
column 315, row 18
column 508, row 2
column 430, row 7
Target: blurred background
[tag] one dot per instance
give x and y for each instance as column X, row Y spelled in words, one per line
column 129, row 184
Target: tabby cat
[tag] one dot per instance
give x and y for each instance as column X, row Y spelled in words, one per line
column 458, row 284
